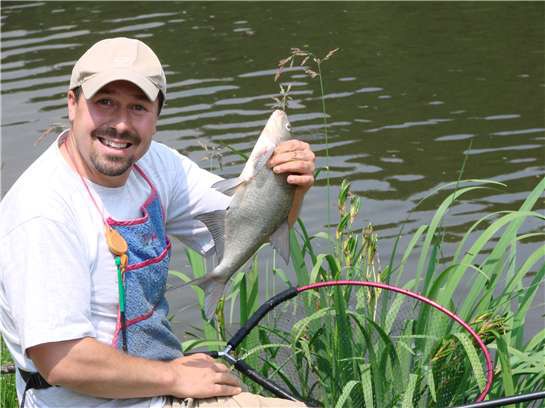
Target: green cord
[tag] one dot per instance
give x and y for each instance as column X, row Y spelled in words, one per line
column 120, row 286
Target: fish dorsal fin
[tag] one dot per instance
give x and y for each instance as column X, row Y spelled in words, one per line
column 280, row 240
column 227, row 186
column 215, row 222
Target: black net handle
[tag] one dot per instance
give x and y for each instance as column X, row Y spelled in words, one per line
column 260, row 313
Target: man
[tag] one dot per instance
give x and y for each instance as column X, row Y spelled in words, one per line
column 104, row 192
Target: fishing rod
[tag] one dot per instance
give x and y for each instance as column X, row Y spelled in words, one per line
column 514, row 399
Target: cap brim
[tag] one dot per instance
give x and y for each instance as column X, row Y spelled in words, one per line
column 93, row 84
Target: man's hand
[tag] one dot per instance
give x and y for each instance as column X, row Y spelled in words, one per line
column 297, row 159
column 200, row 376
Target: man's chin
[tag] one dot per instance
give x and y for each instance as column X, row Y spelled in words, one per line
column 113, row 168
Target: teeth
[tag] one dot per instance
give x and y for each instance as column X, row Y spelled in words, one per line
column 115, row 145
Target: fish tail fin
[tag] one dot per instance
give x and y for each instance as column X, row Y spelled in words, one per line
column 213, row 290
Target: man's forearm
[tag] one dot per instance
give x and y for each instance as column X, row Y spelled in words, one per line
column 90, row 367
column 94, row 368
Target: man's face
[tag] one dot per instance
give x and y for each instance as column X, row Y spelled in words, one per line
column 111, row 131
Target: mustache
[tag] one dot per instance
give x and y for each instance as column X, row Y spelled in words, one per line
column 110, row 132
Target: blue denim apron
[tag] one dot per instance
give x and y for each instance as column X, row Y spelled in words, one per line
column 149, row 334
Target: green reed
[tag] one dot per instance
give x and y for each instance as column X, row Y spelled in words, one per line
column 312, row 65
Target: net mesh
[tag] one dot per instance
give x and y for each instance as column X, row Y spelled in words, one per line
column 360, row 346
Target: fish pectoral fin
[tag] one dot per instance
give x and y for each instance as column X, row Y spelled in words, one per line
column 280, row 240
column 227, row 186
column 213, row 290
column 215, row 223
column 263, row 157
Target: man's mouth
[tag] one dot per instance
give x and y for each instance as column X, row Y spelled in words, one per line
column 114, row 145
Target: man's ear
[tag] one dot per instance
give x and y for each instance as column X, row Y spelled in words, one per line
column 72, row 102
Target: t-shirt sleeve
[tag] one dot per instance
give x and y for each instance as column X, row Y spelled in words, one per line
column 47, row 283
column 191, row 195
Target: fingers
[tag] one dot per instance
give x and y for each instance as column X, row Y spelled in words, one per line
column 291, row 145
column 223, row 391
column 302, row 181
column 297, row 159
column 221, row 368
column 200, row 376
column 204, row 360
column 226, row 378
column 293, row 151
column 198, row 356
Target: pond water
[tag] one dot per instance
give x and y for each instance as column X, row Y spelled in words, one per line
column 413, row 90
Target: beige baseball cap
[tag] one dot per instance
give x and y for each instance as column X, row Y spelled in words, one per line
column 116, row 59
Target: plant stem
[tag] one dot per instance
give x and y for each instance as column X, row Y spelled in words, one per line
column 326, row 145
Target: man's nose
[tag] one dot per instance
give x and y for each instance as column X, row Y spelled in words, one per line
column 122, row 121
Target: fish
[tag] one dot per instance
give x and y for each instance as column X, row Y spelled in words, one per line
column 257, row 213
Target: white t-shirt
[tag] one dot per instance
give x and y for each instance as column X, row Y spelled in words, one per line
column 58, row 278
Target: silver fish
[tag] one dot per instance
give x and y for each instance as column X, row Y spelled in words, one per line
column 258, row 212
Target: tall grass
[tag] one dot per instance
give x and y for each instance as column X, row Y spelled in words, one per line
column 496, row 288
column 8, row 395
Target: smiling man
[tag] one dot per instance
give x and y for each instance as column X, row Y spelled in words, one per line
column 84, row 248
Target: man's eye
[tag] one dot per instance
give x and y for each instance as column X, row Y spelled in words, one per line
column 105, row 102
column 139, row 108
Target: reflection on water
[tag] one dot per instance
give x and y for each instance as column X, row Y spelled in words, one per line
column 413, row 89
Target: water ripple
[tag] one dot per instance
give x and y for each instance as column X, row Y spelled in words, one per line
column 518, row 132
column 449, row 138
column 137, row 27
column 48, row 47
column 502, row 117
column 21, row 6
column 20, row 43
column 503, row 149
column 213, row 114
column 409, row 125
column 140, row 17
column 210, row 90
column 33, row 84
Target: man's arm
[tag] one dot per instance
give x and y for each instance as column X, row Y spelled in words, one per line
column 90, row 367
column 297, row 159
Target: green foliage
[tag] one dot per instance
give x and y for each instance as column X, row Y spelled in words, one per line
column 342, row 362
column 8, row 395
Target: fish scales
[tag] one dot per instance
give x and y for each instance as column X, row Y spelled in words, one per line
column 251, row 220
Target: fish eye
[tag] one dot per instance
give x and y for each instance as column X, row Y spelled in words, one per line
column 288, row 126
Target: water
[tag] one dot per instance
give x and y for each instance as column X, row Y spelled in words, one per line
column 411, row 87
